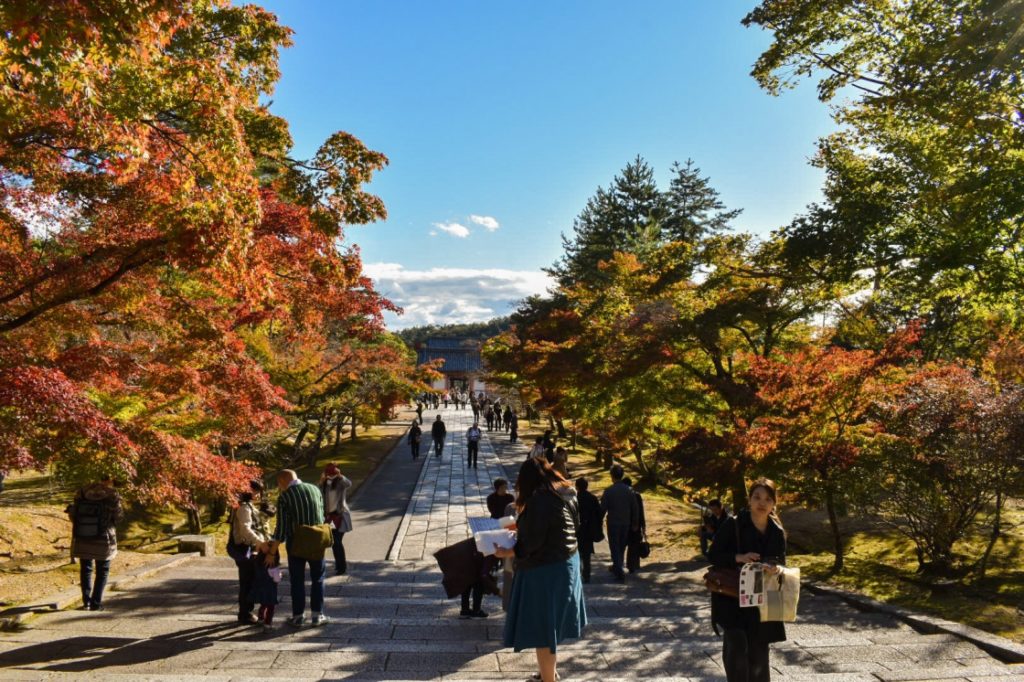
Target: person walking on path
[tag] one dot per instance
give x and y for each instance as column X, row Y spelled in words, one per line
column 513, row 435
column 537, row 451
column 561, row 462
column 334, row 489
column 589, row 530
column 549, row 445
column 248, row 534
column 415, row 437
column 620, row 506
column 489, row 418
column 300, row 504
column 438, row 431
column 507, row 417
column 473, row 436
column 498, row 501
column 753, row 535
column 94, row 512
column 546, row 605
column 637, row 536
column 711, row 521
column 419, row 412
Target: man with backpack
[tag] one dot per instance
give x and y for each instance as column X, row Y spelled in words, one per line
column 93, row 513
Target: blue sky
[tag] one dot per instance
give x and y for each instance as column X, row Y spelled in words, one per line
column 511, row 114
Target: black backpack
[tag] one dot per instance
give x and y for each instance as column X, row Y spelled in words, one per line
column 92, row 519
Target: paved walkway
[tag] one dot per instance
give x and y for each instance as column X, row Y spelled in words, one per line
column 391, row 621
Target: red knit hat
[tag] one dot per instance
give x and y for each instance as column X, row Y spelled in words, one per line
column 332, row 470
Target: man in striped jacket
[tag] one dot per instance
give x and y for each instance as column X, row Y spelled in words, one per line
column 300, row 504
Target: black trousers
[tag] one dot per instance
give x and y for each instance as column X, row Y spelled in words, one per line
column 472, row 449
column 477, row 590
column 438, row 446
column 246, row 576
column 585, row 566
column 745, row 659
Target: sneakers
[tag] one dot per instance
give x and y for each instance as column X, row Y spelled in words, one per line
column 296, row 621
column 479, row 613
column 248, row 619
column 465, row 613
column 319, row 619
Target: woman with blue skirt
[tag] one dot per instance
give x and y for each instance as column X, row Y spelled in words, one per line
column 546, row 604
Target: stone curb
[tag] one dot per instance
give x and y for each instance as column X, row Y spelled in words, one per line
column 403, row 528
column 65, row 598
column 1002, row 648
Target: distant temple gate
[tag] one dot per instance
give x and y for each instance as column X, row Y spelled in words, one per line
column 463, row 367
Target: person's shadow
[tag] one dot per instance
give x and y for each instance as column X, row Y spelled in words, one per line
column 85, row 653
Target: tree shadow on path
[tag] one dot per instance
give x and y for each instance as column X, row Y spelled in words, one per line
column 82, row 653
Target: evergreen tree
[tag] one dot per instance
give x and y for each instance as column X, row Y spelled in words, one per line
column 632, row 215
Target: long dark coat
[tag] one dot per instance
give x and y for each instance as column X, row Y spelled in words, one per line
column 771, row 545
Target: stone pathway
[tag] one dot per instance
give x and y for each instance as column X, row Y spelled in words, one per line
column 391, row 621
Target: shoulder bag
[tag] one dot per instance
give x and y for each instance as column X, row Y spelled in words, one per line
column 725, row 581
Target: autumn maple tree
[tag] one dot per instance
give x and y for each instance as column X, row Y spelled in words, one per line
column 154, row 232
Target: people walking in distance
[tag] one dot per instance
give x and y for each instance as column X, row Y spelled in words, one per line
column 619, row 505
column 94, row 512
column 489, row 418
column 473, row 436
column 753, row 535
column 334, row 489
column 513, row 434
column 438, row 432
column 561, row 462
column 476, row 409
column 637, row 535
column 419, row 412
column 447, row 397
column 589, row 530
column 711, row 521
column 299, row 504
column 507, row 417
column 537, row 451
column 546, row 605
column 498, row 501
column 415, row 438
column 247, row 533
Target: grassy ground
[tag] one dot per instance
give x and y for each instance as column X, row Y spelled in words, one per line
column 882, row 565
column 35, row 532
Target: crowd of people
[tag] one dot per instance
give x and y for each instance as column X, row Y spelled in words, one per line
column 557, row 523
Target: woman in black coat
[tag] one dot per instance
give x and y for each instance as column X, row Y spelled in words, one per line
column 753, row 535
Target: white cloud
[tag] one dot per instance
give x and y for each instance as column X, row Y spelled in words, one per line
column 454, row 229
column 485, row 221
column 453, row 295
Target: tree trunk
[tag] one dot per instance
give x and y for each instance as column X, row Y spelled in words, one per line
column 561, row 429
column 739, row 487
column 638, row 453
column 837, row 537
column 353, row 436
column 218, row 508
column 338, row 425
column 195, row 524
column 297, row 447
column 992, row 538
column 314, row 450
